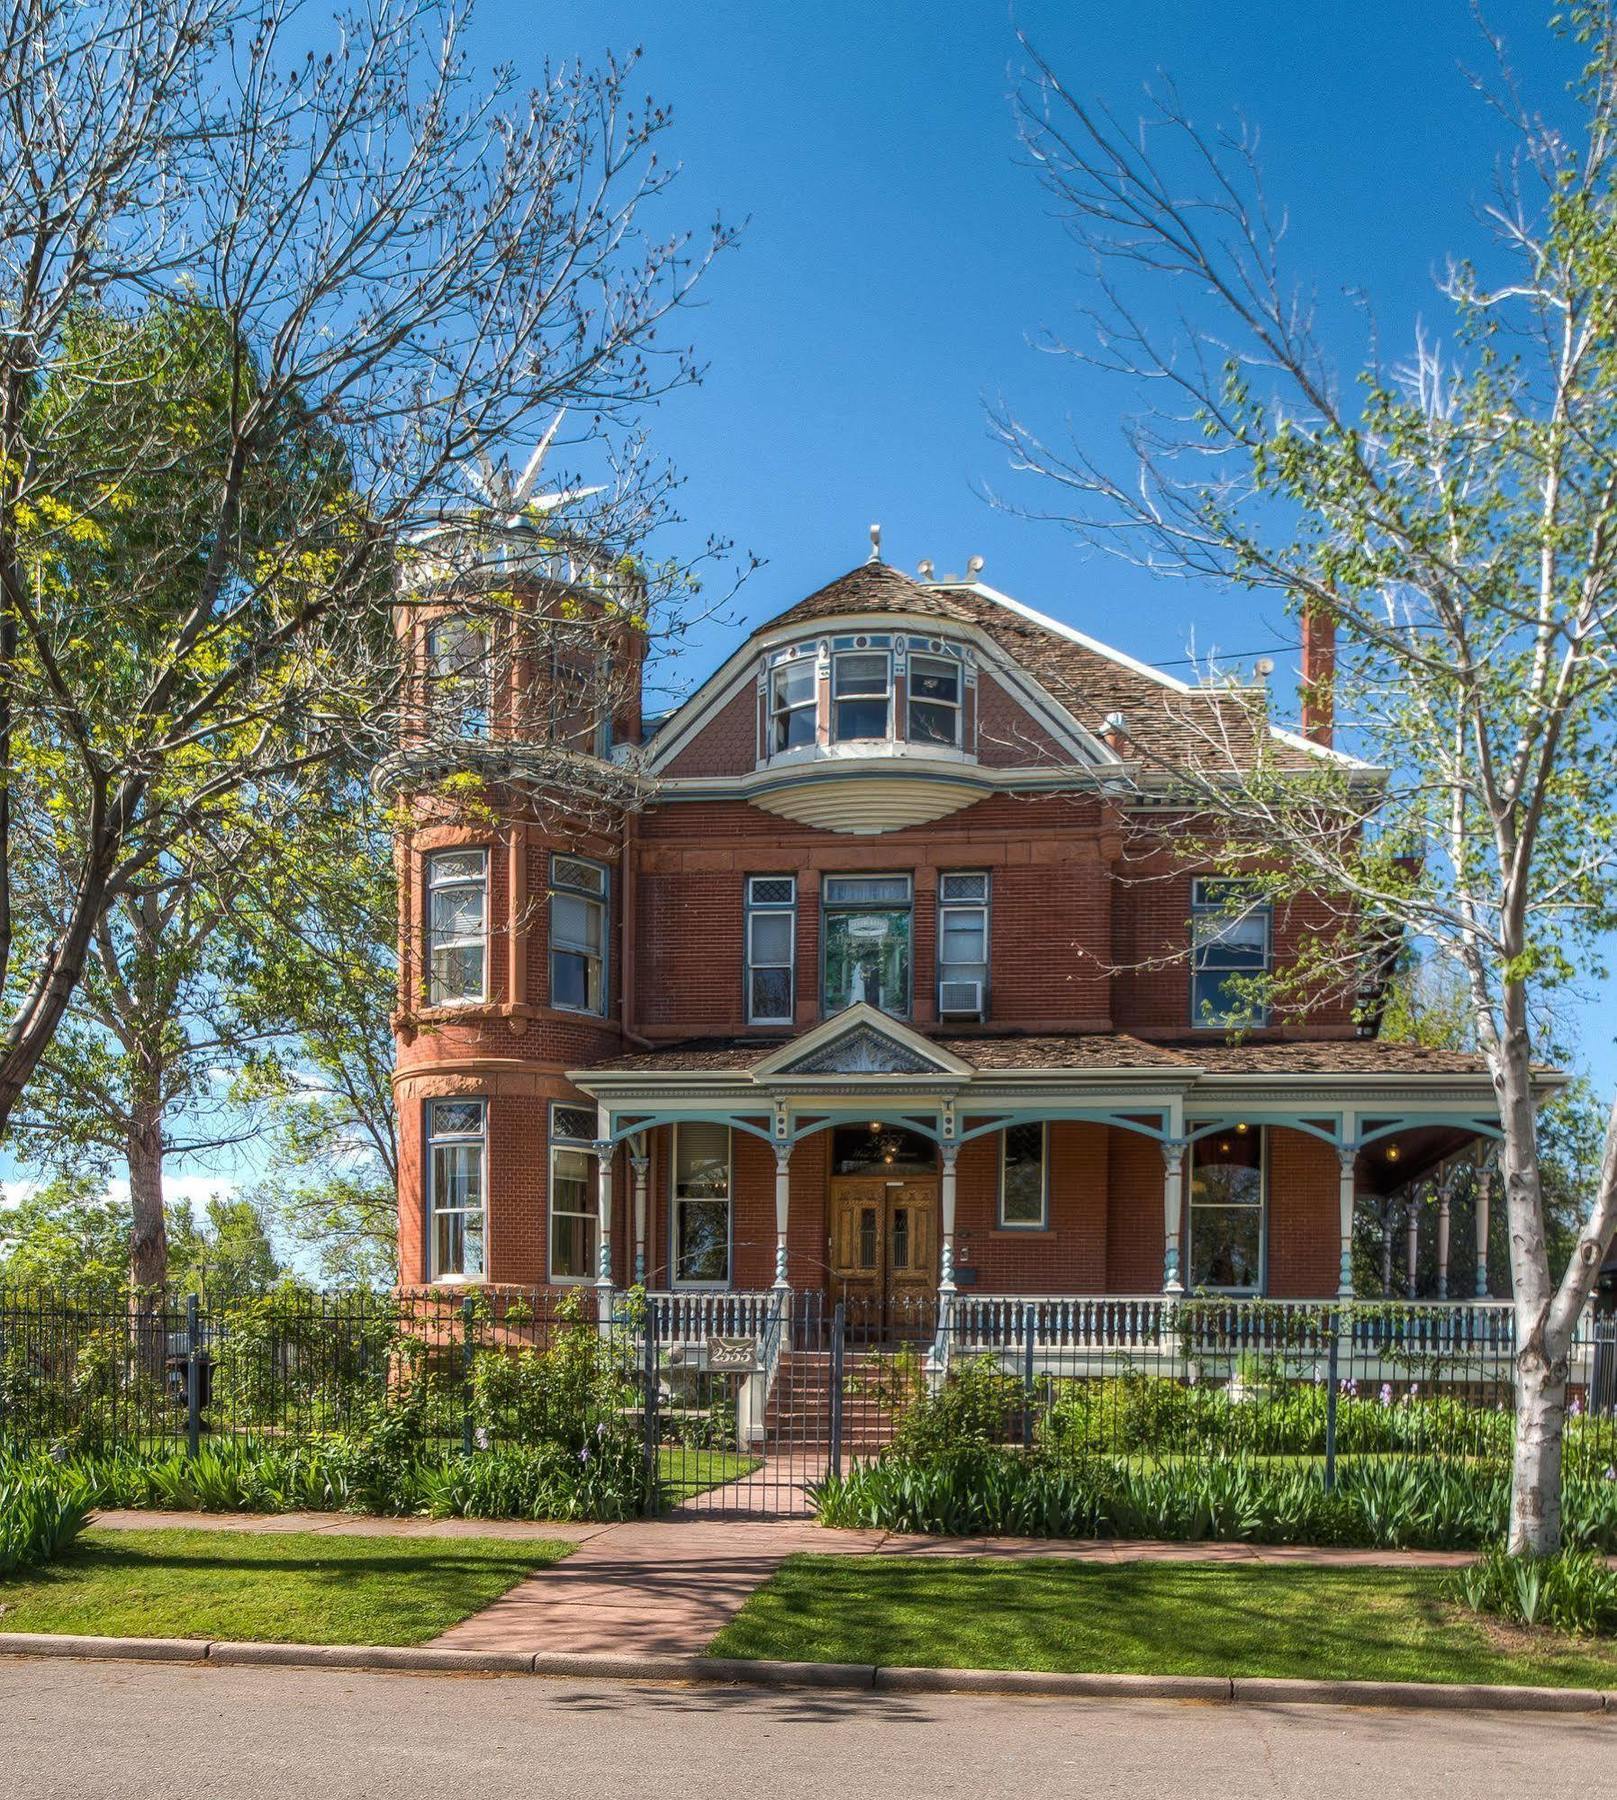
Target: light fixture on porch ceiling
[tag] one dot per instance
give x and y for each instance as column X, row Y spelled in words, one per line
column 1242, row 1128
column 1393, row 1153
column 875, row 1124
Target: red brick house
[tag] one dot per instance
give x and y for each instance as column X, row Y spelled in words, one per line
column 860, row 993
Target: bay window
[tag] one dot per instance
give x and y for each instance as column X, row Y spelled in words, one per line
column 792, row 706
column 456, row 1188
column 459, row 678
column 457, row 927
column 771, row 926
column 577, row 935
column 861, row 694
column 575, row 1224
column 866, row 933
column 701, row 1206
column 1226, row 1211
column 934, row 701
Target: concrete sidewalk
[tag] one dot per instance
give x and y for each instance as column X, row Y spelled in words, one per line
column 666, row 1587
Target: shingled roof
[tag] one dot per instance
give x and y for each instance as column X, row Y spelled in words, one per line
column 1168, row 721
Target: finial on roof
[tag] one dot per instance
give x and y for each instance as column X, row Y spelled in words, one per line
column 875, row 544
column 974, row 567
column 924, row 568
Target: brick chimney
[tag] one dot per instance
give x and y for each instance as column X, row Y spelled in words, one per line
column 1319, row 674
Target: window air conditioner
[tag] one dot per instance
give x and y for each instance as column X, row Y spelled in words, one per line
column 960, row 998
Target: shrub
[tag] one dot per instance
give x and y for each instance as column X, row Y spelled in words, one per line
column 1574, row 1591
column 978, row 1405
column 43, row 1508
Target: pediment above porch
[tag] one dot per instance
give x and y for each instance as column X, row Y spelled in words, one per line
column 861, row 1041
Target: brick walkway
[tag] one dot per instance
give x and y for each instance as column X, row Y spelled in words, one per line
column 667, row 1586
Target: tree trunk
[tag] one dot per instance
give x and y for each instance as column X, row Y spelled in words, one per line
column 148, row 1242
column 1535, row 1483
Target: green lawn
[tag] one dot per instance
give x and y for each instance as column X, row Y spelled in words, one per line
column 686, row 1472
column 296, row 1587
column 1145, row 1618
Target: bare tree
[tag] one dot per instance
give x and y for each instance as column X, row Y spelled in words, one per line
column 371, row 273
column 1455, row 519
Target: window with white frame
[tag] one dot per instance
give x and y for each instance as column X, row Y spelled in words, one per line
column 575, row 1222
column 792, row 705
column 962, row 945
column 577, row 935
column 1230, row 951
column 459, row 678
column 934, row 701
column 457, row 1137
column 861, row 695
column 1227, row 1211
column 701, row 1207
column 866, row 931
column 771, row 947
column 457, row 927
column 1023, row 1189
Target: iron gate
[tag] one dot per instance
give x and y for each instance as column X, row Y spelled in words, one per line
column 748, row 1426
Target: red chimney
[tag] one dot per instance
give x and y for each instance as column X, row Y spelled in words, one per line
column 1319, row 673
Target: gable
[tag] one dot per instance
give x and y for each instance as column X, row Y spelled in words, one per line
column 726, row 743
column 863, row 1051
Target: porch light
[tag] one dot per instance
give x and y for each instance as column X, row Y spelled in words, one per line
column 1242, row 1129
column 875, row 1124
column 1393, row 1153
column 1225, row 1147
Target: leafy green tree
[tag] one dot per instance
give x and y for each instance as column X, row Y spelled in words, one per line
column 227, row 1252
column 65, row 1232
column 1454, row 518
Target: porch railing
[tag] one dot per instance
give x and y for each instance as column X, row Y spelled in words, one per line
column 692, row 1318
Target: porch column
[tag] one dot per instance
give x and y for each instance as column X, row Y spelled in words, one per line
column 640, row 1163
column 1412, row 1229
column 783, row 1202
column 1484, row 1194
column 946, row 1194
column 603, row 1162
column 1443, row 1192
column 1347, row 1162
column 1173, row 1200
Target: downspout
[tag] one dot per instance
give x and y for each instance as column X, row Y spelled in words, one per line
column 630, row 886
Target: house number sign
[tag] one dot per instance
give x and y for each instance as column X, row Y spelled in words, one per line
column 733, row 1355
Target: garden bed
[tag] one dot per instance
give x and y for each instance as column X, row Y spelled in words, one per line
column 269, row 1587
column 1157, row 1618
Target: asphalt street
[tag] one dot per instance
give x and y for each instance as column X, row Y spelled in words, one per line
column 100, row 1731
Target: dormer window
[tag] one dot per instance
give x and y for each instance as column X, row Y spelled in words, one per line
column 934, row 701
column 791, row 706
column 861, row 695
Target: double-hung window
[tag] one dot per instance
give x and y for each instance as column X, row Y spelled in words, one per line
column 867, row 928
column 861, row 694
column 792, row 705
column 459, row 678
column 1230, row 951
column 1022, row 1186
column 577, row 935
column 934, row 701
column 1226, row 1211
column 457, row 927
column 701, row 1205
column 771, row 947
column 575, row 1225
column 962, row 945
column 457, row 1137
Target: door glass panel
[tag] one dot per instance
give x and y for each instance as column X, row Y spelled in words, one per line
column 901, row 1237
column 867, row 1237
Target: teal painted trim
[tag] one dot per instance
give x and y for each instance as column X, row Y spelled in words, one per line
column 1085, row 1114
column 824, row 1121
column 647, row 1121
column 1460, row 1121
column 1291, row 1122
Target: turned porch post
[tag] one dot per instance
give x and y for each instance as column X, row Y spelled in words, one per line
column 1443, row 1196
column 783, row 1203
column 640, row 1163
column 1173, row 1197
column 1484, row 1194
column 1412, row 1228
column 1347, row 1164
column 946, row 1191
column 604, row 1151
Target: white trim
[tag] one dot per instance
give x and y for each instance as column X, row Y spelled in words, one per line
column 1188, row 1234
column 451, row 1139
column 675, row 1201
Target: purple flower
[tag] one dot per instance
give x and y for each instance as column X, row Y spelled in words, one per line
column 1575, row 1408
column 584, row 1454
column 1386, row 1393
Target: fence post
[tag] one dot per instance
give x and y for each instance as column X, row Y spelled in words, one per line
column 193, row 1375
column 1332, row 1365
column 468, row 1312
column 836, row 1390
column 1029, row 1326
column 648, row 1411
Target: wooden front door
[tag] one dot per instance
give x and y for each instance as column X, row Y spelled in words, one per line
column 884, row 1241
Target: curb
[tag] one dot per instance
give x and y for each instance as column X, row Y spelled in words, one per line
column 716, row 1671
